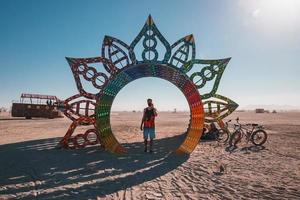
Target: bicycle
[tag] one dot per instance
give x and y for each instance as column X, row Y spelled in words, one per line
column 257, row 135
column 224, row 133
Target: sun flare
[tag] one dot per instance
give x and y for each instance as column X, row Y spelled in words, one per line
column 274, row 14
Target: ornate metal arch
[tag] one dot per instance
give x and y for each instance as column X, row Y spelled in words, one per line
column 121, row 63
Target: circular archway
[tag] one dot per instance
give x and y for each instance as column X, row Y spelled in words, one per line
column 123, row 64
column 169, row 73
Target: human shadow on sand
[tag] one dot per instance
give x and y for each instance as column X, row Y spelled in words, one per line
column 38, row 169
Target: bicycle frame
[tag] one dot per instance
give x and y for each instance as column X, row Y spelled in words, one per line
column 245, row 131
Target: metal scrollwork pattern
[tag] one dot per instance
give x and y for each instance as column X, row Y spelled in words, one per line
column 148, row 55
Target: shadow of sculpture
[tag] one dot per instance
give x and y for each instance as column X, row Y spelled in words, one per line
column 38, row 168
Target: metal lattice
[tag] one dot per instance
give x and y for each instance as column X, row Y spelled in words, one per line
column 121, row 63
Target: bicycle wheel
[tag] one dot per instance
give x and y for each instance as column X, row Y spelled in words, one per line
column 259, row 137
column 235, row 138
column 223, row 135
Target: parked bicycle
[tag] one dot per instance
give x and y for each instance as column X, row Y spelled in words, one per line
column 224, row 133
column 256, row 134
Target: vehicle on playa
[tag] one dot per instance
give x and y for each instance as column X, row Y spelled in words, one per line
column 36, row 105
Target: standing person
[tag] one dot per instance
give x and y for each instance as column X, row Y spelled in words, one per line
column 148, row 124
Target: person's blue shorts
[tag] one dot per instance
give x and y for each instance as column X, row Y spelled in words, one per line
column 149, row 132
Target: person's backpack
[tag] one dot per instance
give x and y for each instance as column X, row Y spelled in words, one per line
column 148, row 114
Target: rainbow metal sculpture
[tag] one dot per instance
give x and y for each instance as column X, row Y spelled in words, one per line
column 121, row 63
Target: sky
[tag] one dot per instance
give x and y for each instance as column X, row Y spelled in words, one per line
column 261, row 36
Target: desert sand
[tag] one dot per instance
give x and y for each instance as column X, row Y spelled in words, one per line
column 32, row 167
